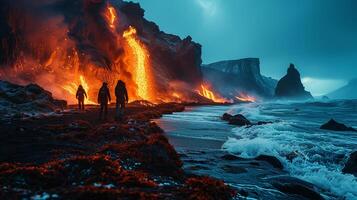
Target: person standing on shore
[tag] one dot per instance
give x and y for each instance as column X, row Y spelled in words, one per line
column 103, row 100
column 121, row 95
column 80, row 95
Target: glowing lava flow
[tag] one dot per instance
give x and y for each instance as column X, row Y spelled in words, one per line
column 246, row 98
column 72, row 89
column 111, row 16
column 141, row 70
column 205, row 92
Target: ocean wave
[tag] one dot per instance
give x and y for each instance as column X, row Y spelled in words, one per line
column 321, row 154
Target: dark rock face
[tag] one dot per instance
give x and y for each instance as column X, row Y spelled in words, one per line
column 30, row 98
column 82, row 24
column 238, row 119
column 231, row 77
column 295, row 186
column 335, row 126
column 271, row 160
column 290, row 86
column 351, row 165
column 226, row 117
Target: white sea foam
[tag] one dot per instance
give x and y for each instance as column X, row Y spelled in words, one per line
column 317, row 150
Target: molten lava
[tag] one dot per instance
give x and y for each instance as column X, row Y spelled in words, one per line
column 111, row 16
column 205, row 92
column 141, row 73
column 246, row 98
column 72, row 88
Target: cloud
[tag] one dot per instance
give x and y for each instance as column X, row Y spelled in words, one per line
column 319, row 87
column 209, row 7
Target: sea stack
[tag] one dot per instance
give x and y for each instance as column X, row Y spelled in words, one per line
column 290, row 86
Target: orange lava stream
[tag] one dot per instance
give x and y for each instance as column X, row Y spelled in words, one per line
column 205, row 92
column 111, row 16
column 141, row 73
column 72, row 88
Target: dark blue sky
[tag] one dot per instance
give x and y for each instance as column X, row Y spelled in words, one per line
column 319, row 36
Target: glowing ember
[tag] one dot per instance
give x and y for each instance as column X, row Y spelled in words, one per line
column 246, row 98
column 141, row 70
column 72, row 88
column 176, row 95
column 111, row 16
column 205, row 92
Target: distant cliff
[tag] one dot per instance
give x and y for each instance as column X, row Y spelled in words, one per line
column 348, row 91
column 232, row 77
column 290, row 86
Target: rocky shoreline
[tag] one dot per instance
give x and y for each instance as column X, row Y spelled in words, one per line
column 72, row 155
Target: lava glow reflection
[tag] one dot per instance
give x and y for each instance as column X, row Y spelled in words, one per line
column 205, row 92
column 246, row 98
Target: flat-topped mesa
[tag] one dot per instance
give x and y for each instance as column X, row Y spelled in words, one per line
column 291, row 87
column 246, row 66
column 232, row 77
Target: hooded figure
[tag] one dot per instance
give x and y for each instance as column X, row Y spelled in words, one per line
column 80, row 95
column 121, row 95
column 103, row 100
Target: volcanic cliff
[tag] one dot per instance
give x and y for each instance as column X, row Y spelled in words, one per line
column 232, row 77
column 59, row 43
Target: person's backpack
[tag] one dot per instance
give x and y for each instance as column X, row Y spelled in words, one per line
column 102, row 93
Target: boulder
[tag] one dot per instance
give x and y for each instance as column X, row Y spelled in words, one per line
column 335, row 126
column 271, row 160
column 351, row 164
column 290, row 185
column 226, row 117
column 291, row 87
column 239, row 120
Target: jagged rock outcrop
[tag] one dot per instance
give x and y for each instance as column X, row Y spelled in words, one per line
column 271, row 160
column 290, row 185
column 336, row 126
column 29, row 99
column 172, row 58
column 351, row 164
column 238, row 119
column 232, row 77
column 290, row 86
column 348, row 91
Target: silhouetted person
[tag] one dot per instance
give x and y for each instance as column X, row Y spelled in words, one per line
column 103, row 100
column 121, row 95
column 80, row 95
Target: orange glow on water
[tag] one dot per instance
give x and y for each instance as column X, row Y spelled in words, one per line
column 246, row 98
